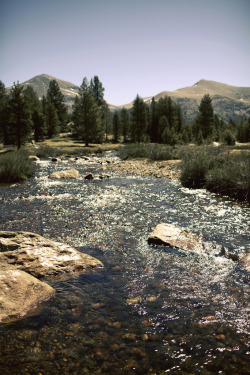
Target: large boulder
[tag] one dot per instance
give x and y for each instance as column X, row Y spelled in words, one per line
column 170, row 235
column 20, row 293
column 41, row 257
column 70, row 173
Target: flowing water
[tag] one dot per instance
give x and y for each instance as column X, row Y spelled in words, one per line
column 150, row 310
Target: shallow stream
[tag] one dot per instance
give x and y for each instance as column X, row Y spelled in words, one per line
column 150, row 310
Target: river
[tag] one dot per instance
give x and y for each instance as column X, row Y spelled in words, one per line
column 150, row 310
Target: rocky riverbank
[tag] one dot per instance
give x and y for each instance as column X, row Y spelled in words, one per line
column 166, row 169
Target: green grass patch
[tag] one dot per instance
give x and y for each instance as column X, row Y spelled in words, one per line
column 15, row 166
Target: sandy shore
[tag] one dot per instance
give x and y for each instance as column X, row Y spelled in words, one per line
column 166, row 169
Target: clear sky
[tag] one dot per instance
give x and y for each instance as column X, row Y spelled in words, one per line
column 134, row 46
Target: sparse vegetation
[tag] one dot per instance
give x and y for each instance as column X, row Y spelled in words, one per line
column 151, row 151
column 15, row 166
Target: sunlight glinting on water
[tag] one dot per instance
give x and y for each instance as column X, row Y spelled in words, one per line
column 189, row 308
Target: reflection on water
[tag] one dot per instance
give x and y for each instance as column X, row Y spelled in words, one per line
column 151, row 310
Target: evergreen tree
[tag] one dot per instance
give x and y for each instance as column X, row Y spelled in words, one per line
column 97, row 90
column 55, row 96
column 243, row 131
column 125, row 124
column 38, row 119
column 153, row 131
column 163, row 127
column 179, row 122
column 52, row 121
column 87, row 116
column 40, row 130
column 116, row 127
column 4, row 114
column 139, row 120
column 20, row 116
column 205, row 117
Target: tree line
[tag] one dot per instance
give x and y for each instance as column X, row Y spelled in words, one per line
column 24, row 117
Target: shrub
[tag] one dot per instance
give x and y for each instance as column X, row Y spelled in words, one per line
column 226, row 174
column 229, row 138
column 194, row 167
column 132, row 151
column 232, row 178
column 15, row 166
column 46, row 151
column 160, row 152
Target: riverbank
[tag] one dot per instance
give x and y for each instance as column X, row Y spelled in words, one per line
column 166, row 169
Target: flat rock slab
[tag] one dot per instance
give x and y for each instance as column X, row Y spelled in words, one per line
column 70, row 173
column 169, row 235
column 41, row 257
column 20, row 293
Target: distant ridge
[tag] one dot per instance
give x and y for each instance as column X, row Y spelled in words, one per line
column 228, row 101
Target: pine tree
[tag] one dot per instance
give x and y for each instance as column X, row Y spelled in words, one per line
column 40, row 130
column 86, row 116
column 38, row 119
column 163, row 128
column 153, row 131
column 20, row 116
column 125, row 124
column 116, row 127
column 55, row 96
column 52, row 121
column 205, row 117
column 4, row 114
column 139, row 120
column 97, row 90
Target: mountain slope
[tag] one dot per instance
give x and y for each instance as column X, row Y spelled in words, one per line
column 228, row 101
column 40, row 84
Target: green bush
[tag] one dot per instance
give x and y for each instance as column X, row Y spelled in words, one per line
column 46, row 152
column 229, row 138
column 232, row 178
column 132, row 151
column 15, row 166
column 225, row 173
column 194, row 167
column 160, row 152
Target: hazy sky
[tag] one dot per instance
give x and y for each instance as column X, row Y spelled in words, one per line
column 134, row 46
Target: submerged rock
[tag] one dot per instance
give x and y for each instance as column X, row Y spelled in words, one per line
column 41, row 257
column 20, row 293
column 169, row 235
column 70, row 173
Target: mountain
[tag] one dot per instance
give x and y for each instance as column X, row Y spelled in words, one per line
column 40, row 84
column 228, row 101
